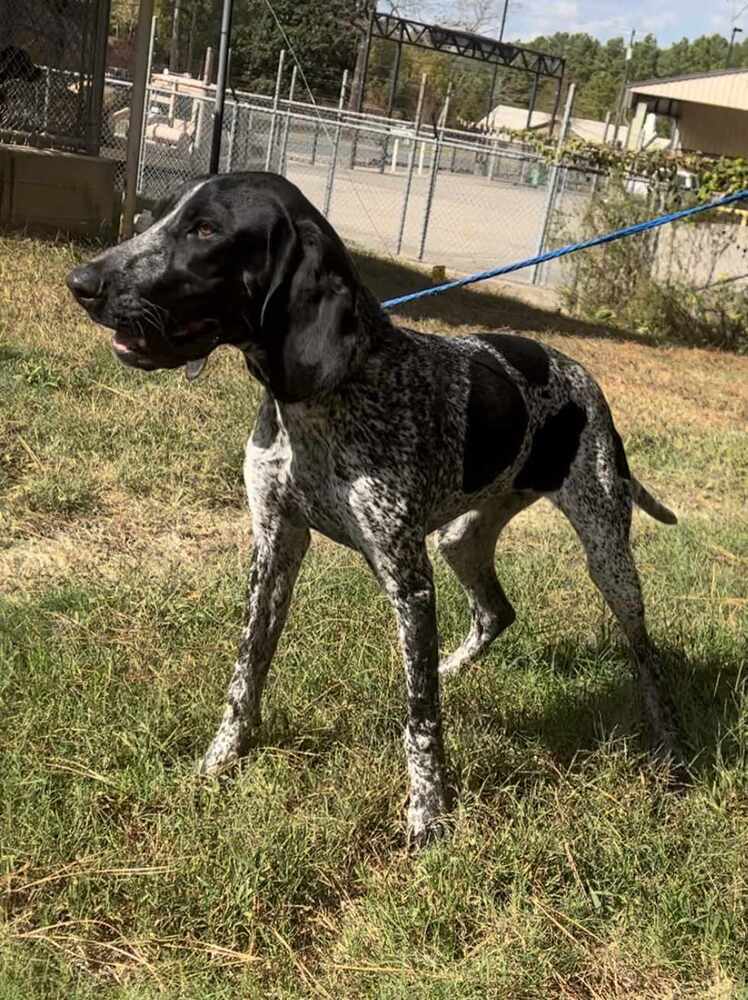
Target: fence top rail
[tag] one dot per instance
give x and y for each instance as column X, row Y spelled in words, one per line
column 447, row 139
column 324, row 113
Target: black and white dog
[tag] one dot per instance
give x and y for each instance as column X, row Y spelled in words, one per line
column 16, row 64
column 374, row 435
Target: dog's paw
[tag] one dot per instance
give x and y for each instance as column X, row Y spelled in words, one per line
column 453, row 663
column 422, row 835
column 224, row 753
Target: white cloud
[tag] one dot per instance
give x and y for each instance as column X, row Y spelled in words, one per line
column 603, row 19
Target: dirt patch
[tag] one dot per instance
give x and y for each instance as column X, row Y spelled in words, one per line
column 115, row 546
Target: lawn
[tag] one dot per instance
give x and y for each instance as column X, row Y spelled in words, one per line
column 573, row 870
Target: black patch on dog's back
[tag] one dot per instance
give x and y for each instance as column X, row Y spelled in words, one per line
column 554, row 448
column 496, row 423
column 622, row 465
column 527, row 356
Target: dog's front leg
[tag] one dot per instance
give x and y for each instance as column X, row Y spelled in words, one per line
column 279, row 548
column 410, row 587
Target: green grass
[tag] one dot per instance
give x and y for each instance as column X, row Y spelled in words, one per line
column 572, row 871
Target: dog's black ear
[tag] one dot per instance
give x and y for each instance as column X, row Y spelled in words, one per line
column 309, row 317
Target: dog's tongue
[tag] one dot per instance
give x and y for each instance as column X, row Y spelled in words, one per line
column 193, row 368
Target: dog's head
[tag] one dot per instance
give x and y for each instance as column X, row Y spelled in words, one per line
column 241, row 259
column 16, row 64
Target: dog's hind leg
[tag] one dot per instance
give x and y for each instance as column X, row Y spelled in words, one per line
column 601, row 516
column 468, row 545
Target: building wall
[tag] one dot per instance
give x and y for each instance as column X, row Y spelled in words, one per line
column 723, row 90
column 720, row 131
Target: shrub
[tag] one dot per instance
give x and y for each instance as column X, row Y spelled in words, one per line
column 660, row 282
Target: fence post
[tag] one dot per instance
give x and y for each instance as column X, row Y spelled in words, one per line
column 315, row 140
column 411, row 165
column 335, row 146
column 553, row 181
column 46, row 98
column 201, row 104
column 286, row 124
column 141, row 154
column 276, row 97
column 232, row 138
column 596, row 178
column 436, row 156
column 137, row 106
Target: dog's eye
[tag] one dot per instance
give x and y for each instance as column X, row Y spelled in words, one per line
column 204, row 231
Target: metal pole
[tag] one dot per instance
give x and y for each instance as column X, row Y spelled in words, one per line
column 390, row 105
column 553, row 180
column 554, row 113
column 174, row 51
column 276, row 98
column 46, row 98
column 141, row 162
column 533, row 94
column 393, row 79
column 232, row 137
column 492, row 158
column 503, row 21
column 208, row 65
column 365, row 67
column 96, row 95
column 198, row 109
column 434, row 173
column 135, row 126
column 735, row 31
column 489, row 106
column 622, row 95
column 608, row 116
column 362, row 87
column 596, row 178
column 336, row 145
column 221, row 78
column 284, row 141
column 191, row 42
column 411, row 165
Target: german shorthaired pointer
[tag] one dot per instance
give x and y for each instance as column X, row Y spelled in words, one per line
column 374, row 435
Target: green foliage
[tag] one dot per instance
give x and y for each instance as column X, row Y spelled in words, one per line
column 323, row 33
column 632, row 282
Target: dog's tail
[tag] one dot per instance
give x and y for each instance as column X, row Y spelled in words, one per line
column 648, row 503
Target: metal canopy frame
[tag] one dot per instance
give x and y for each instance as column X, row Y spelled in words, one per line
column 454, row 41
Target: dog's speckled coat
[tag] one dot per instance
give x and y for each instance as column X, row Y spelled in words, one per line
column 375, row 436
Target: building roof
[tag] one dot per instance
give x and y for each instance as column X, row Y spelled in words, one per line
column 719, row 88
column 506, row 116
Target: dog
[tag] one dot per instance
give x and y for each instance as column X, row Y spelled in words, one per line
column 376, row 436
column 16, row 64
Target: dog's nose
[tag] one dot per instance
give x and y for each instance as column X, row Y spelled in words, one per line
column 85, row 282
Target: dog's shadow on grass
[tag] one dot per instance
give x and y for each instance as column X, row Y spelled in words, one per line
column 461, row 307
column 571, row 723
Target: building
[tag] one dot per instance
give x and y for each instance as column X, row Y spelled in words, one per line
column 710, row 110
column 505, row 116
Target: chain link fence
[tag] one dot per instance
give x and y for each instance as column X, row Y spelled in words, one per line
column 438, row 196
column 51, row 72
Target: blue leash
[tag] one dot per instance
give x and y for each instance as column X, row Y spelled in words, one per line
column 617, row 234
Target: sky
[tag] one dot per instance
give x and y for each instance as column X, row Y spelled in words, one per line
column 668, row 20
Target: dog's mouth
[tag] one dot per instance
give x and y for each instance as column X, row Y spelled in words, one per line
column 150, row 349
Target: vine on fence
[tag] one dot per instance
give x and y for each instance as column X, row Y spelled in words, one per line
column 716, row 175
